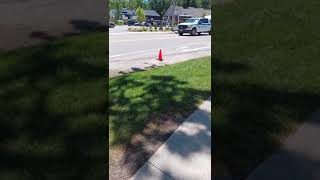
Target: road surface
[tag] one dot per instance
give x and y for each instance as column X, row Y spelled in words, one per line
column 27, row 22
column 130, row 51
column 118, row 29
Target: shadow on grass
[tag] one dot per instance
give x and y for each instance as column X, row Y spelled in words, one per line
column 53, row 113
column 79, row 26
column 187, row 143
column 251, row 120
column 143, row 119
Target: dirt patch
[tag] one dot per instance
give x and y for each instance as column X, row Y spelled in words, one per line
column 125, row 161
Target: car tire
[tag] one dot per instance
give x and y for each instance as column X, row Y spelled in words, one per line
column 111, row 25
column 180, row 34
column 193, row 32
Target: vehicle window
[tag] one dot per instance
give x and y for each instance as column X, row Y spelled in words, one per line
column 191, row 20
column 204, row 21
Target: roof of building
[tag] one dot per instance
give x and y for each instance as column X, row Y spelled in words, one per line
column 149, row 12
column 130, row 12
column 191, row 11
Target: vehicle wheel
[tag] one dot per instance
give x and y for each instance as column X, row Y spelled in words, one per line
column 180, row 34
column 193, row 32
column 111, row 26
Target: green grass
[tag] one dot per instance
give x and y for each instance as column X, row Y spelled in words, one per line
column 53, row 109
column 135, row 98
column 266, row 75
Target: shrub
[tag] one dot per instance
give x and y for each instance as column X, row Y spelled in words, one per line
column 140, row 14
column 155, row 27
column 120, row 23
column 161, row 27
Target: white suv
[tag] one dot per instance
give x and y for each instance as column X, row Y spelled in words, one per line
column 195, row 26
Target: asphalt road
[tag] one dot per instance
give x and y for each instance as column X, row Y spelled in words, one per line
column 118, row 29
column 27, row 22
column 136, row 51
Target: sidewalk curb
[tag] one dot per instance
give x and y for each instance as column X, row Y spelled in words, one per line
column 187, row 152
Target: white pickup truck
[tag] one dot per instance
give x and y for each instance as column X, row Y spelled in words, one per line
column 195, row 26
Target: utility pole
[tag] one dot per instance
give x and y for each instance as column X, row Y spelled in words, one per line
column 173, row 13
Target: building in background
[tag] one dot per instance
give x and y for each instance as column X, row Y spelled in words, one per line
column 181, row 14
column 129, row 14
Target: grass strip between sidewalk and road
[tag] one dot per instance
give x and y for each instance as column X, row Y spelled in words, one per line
column 266, row 75
column 136, row 98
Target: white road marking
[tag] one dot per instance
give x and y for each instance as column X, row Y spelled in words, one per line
column 183, row 48
column 147, row 39
column 194, row 49
column 134, row 33
column 133, row 53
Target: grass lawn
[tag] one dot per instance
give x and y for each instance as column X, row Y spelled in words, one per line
column 136, row 98
column 53, row 110
column 266, row 75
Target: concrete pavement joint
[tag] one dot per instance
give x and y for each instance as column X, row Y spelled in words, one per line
column 161, row 170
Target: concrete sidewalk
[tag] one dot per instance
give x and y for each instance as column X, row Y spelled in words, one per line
column 186, row 154
column 298, row 159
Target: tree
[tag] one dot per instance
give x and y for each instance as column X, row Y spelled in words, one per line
column 142, row 3
column 206, row 4
column 160, row 6
column 118, row 9
column 140, row 15
column 194, row 3
column 132, row 4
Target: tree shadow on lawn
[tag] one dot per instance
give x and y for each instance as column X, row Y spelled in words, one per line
column 251, row 121
column 79, row 26
column 189, row 142
column 53, row 115
column 141, row 122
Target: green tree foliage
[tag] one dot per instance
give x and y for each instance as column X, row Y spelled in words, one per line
column 132, row 4
column 160, row 6
column 206, row 4
column 118, row 7
column 142, row 3
column 191, row 3
column 140, row 14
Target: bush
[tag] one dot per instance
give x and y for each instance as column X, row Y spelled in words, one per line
column 120, row 23
column 155, row 27
column 161, row 27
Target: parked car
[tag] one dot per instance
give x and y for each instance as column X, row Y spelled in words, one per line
column 157, row 22
column 131, row 22
column 112, row 24
column 195, row 26
column 142, row 24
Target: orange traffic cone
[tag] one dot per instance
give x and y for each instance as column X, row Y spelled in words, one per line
column 160, row 55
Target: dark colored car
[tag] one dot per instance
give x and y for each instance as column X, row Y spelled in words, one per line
column 142, row 24
column 131, row 22
column 112, row 25
column 157, row 22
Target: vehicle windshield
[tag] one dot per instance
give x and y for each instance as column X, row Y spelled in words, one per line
column 192, row 20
